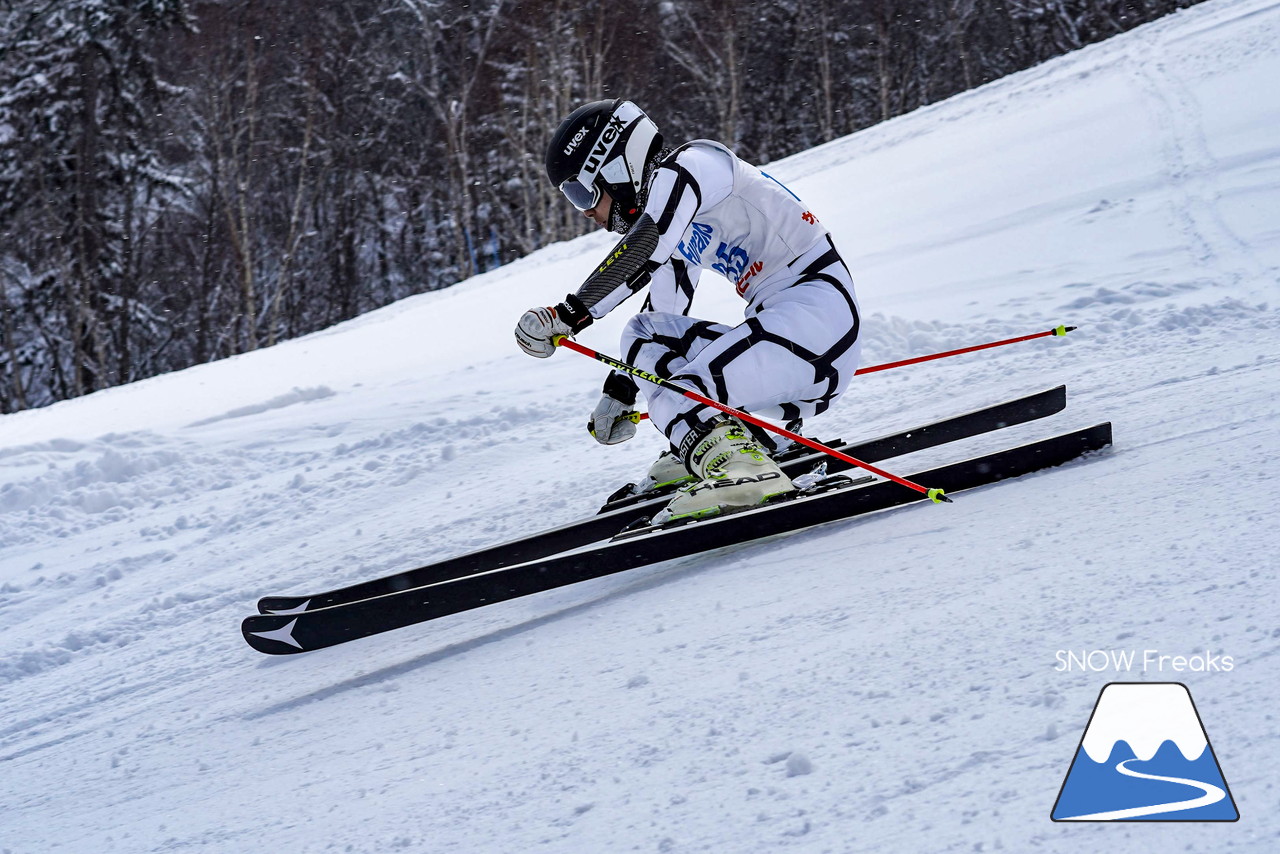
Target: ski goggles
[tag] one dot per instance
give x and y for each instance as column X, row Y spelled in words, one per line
column 582, row 197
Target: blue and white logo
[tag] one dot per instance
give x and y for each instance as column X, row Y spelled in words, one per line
column 1145, row 756
column 696, row 243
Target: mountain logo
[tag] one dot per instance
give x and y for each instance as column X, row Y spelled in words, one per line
column 1145, row 756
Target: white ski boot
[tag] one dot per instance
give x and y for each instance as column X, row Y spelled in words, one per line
column 733, row 473
column 667, row 470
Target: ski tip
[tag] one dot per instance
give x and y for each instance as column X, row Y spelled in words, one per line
column 270, row 634
column 282, row 605
column 937, row 496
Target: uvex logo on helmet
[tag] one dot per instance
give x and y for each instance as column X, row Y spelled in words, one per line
column 601, row 148
column 577, row 139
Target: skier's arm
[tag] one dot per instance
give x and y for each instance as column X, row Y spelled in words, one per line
column 675, row 196
column 674, row 199
column 624, row 271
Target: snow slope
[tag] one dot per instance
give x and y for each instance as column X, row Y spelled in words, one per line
column 889, row 684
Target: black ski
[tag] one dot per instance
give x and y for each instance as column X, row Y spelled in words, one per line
column 316, row 629
column 607, row 523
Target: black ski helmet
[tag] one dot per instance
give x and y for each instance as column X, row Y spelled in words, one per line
column 603, row 144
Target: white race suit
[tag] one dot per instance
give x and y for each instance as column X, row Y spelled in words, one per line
column 798, row 347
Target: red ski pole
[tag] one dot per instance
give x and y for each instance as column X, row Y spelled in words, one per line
column 935, row 495
column 1057, row 330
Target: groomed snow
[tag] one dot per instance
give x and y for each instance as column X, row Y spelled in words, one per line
column 888, row 684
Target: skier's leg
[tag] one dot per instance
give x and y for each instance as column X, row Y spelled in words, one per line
column 662, row 344
column 793, row 357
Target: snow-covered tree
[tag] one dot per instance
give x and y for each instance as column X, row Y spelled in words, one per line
column 183, row 180
column 83, row 179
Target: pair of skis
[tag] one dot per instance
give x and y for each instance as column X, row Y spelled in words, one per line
column 583, row 550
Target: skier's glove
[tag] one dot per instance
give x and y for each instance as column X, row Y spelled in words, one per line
column 538, row 327
column 611, row 422
column 614, row 418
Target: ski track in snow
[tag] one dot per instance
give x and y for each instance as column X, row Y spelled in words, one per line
column 882, row 684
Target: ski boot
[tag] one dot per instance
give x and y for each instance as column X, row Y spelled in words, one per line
column 733, row 473
column 667, row 471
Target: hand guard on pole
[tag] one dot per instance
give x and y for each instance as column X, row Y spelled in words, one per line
column 614, row 419
column 539, row 327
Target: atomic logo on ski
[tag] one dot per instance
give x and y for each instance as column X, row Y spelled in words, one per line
column 296, row 609
column 283, row 635
column 1145, row 756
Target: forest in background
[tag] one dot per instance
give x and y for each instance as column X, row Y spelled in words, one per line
column 185, row 180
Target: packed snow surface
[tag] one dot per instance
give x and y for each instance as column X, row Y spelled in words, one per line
column 894, row 683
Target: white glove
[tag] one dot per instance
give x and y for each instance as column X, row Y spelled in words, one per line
column 537, row 329
column 611, row 422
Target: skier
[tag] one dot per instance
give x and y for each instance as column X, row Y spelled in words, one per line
column 682, row 211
